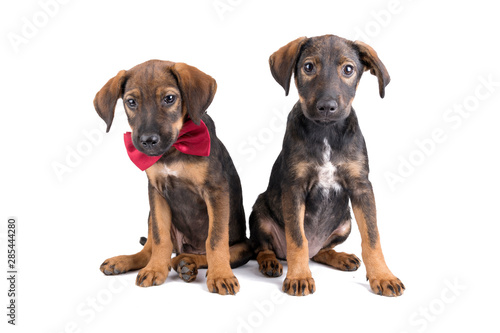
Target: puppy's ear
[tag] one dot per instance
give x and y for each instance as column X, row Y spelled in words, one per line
column 105, row 99
column 197, row 89
column 283, row 61
column 370, row 60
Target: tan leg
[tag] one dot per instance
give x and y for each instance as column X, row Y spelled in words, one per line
column 298, row 281
column 220, row 278
column 338, row 260
column 156, row 271
column 125, row 263
column 382, row 281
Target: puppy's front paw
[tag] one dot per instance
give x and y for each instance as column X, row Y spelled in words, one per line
column 223, row 285
column 116, row 265
column 299, row 286
column 151, row 276
column 346, row 262
column 270, row 267
column 386, row 285
column 187, row 269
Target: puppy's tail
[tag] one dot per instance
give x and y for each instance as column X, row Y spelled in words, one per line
column 143, row 240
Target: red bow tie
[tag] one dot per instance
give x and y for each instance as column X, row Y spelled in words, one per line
column 193, row 140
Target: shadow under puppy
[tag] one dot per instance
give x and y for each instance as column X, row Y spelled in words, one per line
column 323, row 164
column 196, row 207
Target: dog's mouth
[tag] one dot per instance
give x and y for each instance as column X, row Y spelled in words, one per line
column 324, row 120
column 337, row 116
column 153, row 153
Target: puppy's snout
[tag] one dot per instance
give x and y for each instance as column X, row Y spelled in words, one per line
column 327, row 106
column 149, row 141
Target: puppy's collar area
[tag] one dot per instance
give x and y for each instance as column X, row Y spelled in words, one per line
column 192, row 140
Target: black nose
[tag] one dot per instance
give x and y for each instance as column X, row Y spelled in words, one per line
column 326, row 106
column 149, row 141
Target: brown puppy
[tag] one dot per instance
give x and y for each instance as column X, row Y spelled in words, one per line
column 196, row 207
column 304, row 212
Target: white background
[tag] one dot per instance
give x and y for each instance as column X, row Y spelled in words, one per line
column 438, row 223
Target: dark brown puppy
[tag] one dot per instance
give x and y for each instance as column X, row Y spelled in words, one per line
column 304, row 212
column 196, row 207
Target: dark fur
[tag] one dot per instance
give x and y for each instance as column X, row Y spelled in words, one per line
column 189, row 210
column 295, row 178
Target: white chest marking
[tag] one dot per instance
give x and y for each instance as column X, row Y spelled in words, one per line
column 170, row 172
column 326, row 171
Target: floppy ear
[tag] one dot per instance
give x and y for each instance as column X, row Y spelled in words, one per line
column 105, row 99
column 197, row 89
column 283, row 61
column 370, row 60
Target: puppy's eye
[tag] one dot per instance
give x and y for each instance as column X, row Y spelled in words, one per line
column 131, row 103
column 169, row 99
column 308, row 67
column 348, row 70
